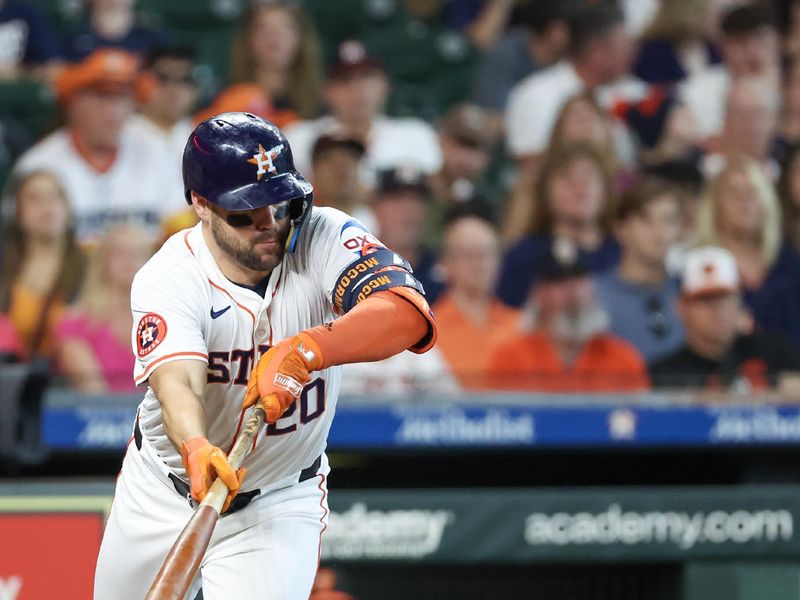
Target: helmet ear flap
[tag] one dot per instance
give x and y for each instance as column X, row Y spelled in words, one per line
column 296, row 208
column 299, row 209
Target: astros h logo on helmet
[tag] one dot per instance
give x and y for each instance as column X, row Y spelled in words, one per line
column 263, row 158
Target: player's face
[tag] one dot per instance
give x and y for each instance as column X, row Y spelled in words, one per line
column 258, row 245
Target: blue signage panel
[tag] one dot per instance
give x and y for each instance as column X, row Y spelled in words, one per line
column 67, row 427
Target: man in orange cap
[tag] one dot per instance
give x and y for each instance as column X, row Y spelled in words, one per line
column 108, row 173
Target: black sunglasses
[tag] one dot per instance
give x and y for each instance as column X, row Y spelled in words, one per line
column 657, row 322
column 279, row 212
column 187, row 79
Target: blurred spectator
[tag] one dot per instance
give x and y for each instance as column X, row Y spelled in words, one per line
column 750, row 129
column 335, row 161
column 356, row 93
column 325, row 584
column 678, row 41
column 663, row 127
column 750, row 48
column 686, row 176
column 11, row 349
column 243, row 97
column 466, row 140
column 471, row 320
column 789, row 20
column 740, row 212
column 580, row 120
column 42, row 264
column 276, row 48
column 113, row 24
column 482, row 20
column 94, row 338
column 540, row 42
column 108, row 172
column 568, row 348
column 789, row 121
column 404, row 375
column 28, row 44
column 166, row 92
column 716, row 355
column 789, row 192
column 572, row 200
column 600, row 54
column 638, row 14
column 401, row 208
column 639, row 295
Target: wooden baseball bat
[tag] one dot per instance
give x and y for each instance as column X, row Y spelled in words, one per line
column 183, row 561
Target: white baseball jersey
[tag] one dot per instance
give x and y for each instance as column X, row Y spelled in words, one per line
column 139, row 185
column 185, row 309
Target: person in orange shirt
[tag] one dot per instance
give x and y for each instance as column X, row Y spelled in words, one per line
column 472, row 321
column 568, row 348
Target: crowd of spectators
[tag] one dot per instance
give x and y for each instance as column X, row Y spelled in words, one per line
column 610, row 203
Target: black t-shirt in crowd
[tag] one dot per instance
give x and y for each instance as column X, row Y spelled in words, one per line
column 755, row 360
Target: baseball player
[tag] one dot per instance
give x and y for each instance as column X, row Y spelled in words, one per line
column 258, row 303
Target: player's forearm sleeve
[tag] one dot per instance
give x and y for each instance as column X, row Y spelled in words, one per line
column 377, row 328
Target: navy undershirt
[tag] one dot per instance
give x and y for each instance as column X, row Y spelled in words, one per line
column 260, row 288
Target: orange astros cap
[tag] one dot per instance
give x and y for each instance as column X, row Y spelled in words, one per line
column 240, row 97
column 105, row 68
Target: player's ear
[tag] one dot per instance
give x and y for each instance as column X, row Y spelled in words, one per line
column 201, row 207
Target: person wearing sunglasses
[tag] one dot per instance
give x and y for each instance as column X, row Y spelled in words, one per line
column 166, row 93
column 259, row 304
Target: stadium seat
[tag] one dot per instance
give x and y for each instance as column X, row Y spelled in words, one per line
column 194, row 14
column 29, row 103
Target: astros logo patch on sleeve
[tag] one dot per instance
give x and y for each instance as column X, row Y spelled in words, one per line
column 150, row 333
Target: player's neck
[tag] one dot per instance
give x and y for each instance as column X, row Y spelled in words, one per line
column 231, row 269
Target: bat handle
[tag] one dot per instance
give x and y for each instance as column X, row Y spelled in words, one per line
column 218, row 492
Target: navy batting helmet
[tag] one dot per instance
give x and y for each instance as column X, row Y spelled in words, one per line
column 239, row 161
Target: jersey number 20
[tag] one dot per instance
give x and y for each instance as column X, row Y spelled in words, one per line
column 312, row 405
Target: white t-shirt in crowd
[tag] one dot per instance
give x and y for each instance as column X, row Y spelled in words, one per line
column 535, row 102
column 170, row 143
column 135, row 188
column 638, row 14
column 403, row 374
column 705, row 93
column 391, row 142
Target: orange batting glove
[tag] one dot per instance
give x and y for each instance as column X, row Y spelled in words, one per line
column 278, row 378
column 205, row 462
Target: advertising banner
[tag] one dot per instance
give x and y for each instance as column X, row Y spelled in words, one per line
column 96, row 425
column 564, row 525
column 48, row 555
